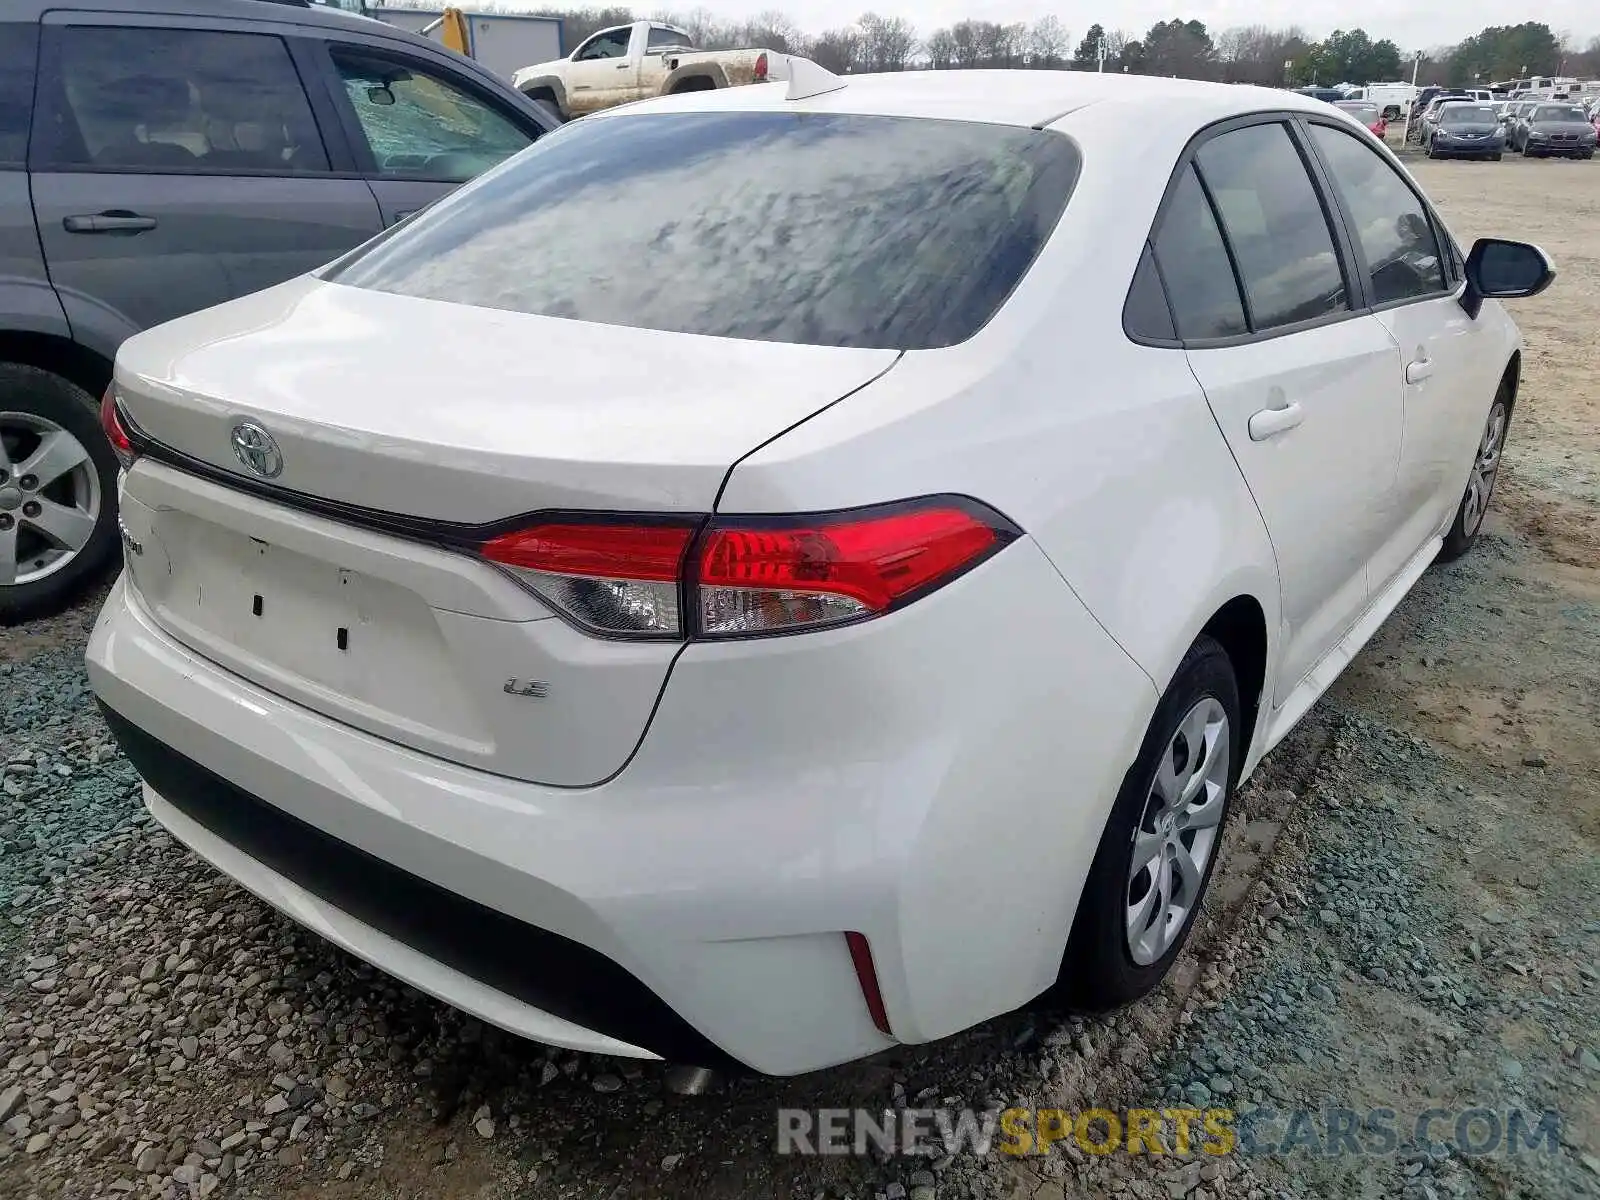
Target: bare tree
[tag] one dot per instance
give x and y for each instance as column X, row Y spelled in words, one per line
column 941, row 48
column 886, row 42
column 1049, row 44
column 837, row 50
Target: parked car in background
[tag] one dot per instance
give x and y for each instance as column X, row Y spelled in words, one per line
column 648, row 665
column 1368, row 114
column 1466, row 131
column 1428, row 102
column 1394, row 100
column 1325, row 94
column 1556, row 129
column 154, row 163
column 632, row 62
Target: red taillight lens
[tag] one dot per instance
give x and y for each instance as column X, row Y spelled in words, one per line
column 617, row 579
column 749, row 575
column 761, row 68
column 772, row 576
column 116, row 432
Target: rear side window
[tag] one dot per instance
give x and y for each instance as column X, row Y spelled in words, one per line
column 144, row 99
column 1275, row 226
column 1194, row 265
column 19, row 48
column 815, row 228
column 1389, row 221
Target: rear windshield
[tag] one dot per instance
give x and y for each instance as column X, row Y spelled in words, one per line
column 1467, row 114
column 824, row 229
column 1559, row 112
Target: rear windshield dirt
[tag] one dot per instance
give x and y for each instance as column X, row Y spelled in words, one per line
column 823, row 229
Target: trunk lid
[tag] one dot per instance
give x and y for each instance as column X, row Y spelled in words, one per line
column 454, row 417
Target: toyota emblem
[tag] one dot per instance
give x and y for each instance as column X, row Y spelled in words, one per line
column 255, row 448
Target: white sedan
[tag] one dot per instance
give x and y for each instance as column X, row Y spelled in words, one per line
column 770, row 574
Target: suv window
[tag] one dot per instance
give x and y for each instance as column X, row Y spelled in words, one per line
column 1389, row 220
column 1194, row 265
column 180, row 99
column 418, row 124
column 1274, row 223
column 613, row 43
column 19, row 47
column 817, row 228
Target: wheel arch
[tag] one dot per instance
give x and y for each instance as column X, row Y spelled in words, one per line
column 1240, row 627
column 688, row 78
column 1511, row 380
column 60, row 356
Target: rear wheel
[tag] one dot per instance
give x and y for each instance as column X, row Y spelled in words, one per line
column 1161, row 841
column 58, row 487
column 1480, row 483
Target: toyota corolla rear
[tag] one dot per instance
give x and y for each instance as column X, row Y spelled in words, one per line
column 434, row 633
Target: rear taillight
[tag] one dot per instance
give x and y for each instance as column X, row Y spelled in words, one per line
column 761, row 68
column 772, row 576
column 747, row 576
column 116, row 431
column 619, row 579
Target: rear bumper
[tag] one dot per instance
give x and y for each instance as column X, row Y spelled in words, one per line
column 936, row 780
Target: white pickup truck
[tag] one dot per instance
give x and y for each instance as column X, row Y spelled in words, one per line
column 633, row 62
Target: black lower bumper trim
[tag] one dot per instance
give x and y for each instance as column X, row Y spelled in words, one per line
column 544, row 969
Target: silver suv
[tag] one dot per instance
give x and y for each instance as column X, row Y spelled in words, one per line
column 152, row 164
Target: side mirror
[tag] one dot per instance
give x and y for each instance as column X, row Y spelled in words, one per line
column 1504, row 271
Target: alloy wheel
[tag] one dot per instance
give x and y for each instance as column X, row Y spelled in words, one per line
column 1177, row 835
column 49, row 497
column 1485, row 469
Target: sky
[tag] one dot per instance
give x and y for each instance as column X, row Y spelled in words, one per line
column 1416, row 26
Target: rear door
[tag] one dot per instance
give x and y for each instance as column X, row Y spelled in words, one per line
column 177, row 163
column 1304, row 386
column 419, row 129
column 1447, row 358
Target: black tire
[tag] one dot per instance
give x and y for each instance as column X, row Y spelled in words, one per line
column 1098, row 971
column 29, row 390
column 1469, row 518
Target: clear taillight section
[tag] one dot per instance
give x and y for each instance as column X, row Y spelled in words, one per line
column 745, row 577
column 622, row 580
column 116, row 432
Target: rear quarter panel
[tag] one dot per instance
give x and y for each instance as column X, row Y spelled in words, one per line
column 1103, row 450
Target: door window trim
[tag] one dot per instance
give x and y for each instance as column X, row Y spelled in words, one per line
column 1441, row 243
column 1356, row 289
column 355, row 134
column 50, row 95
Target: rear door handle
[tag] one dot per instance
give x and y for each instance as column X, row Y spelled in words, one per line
column 1271, row 421
column 113, row 221
column 1417, row 371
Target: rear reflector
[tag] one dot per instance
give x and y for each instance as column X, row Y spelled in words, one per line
column 624, row 577
column 772, row 576
column 615, row 579
column 867, row 976
column 116, row 432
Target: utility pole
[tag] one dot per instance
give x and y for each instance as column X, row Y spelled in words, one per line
column 1100, row 54
column 1416, row 65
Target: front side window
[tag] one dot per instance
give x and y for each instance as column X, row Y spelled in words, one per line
column 1275, row 225
column 814, row 228
column 1194, row 265
column 418, row 124
column 19, row 45
column 180, row 99
column 1390, row 222
column 613, row 43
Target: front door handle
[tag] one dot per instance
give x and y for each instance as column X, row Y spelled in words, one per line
column 1417, row 371
column 623, row 66
column 1271, row 421
column 116, row 220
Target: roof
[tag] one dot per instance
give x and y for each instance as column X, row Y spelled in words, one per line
column 997, row 97
column 240, row 10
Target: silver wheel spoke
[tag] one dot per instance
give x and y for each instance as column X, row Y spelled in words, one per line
column 8, row 556
column 1186, row 800
column 58, row 453
column 67, row 527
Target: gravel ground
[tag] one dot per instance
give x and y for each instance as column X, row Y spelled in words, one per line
column 1403, row 918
